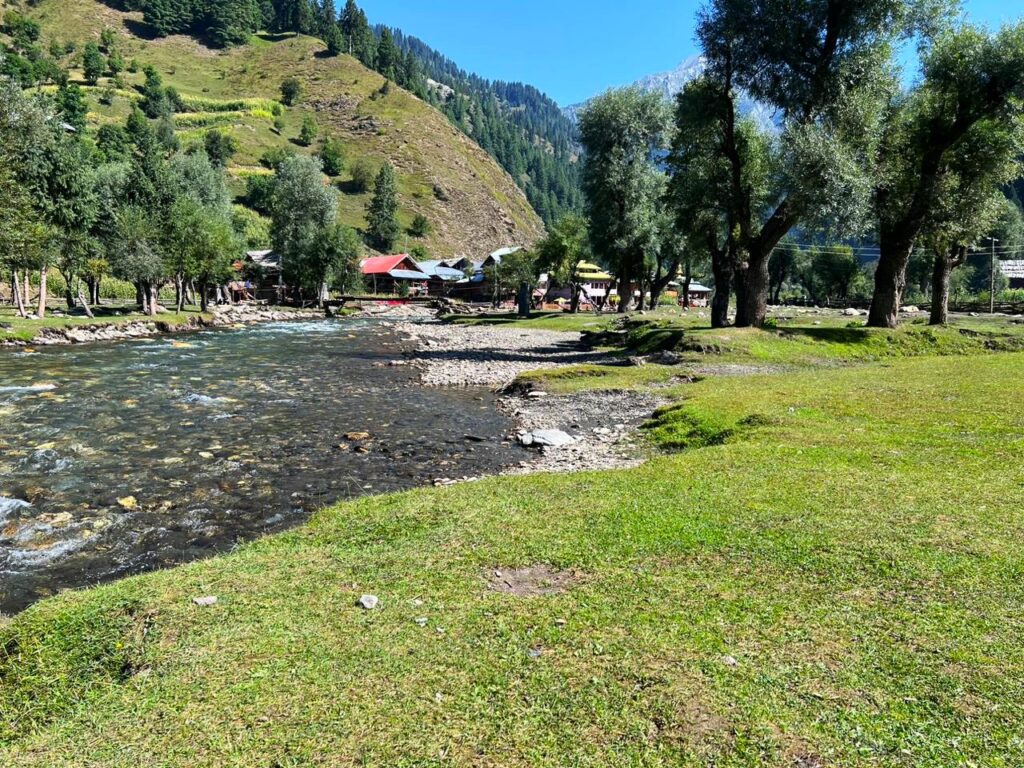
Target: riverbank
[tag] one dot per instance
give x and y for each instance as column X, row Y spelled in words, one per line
column 59, row 329
column 829, row 574
column 599, row 428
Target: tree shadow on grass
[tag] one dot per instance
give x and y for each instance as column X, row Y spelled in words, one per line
column 141, row 29
column 833, row 335
column 275, row 37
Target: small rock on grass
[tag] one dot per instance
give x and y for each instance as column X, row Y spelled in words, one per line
column 368, row 602
column 205, row 602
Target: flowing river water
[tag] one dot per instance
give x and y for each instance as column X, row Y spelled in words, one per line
column 121, row 458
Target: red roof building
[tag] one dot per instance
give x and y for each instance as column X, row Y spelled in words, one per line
column 384, row 273
column 383, row 265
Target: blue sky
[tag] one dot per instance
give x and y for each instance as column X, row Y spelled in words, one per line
column 572, row 49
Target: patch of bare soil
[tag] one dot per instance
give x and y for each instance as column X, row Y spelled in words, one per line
column 532, row 581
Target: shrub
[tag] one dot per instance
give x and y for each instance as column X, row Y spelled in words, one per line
column 363, row 174
column 420, row 226
column 291, row 91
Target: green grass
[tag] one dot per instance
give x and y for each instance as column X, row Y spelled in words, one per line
column 829, row 573
column 550, row 321
column 16, row 329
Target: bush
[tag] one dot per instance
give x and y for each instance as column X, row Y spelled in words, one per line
column 332, row 155
column 363, row 174
column 308, row 132
column 291, row 91
column 420, row 226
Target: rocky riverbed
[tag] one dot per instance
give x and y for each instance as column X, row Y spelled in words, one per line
column 598, row 429
column 226, row 316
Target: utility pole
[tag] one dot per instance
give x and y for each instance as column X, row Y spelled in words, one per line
column 992, row 279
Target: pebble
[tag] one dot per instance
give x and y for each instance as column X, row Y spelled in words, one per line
column 205, row 602
column 368, row 602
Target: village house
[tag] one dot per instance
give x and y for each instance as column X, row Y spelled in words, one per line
column 1014, row 272
column 442, row 277
column 261, row 278
column 393, row 274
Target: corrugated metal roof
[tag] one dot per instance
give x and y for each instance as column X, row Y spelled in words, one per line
column 382, row 265
column 1013, row 269
column 439, row 269
column 408, row 274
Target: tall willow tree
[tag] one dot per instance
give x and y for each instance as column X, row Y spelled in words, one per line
column 622, row 132
column 823, row 67
column 950, row 136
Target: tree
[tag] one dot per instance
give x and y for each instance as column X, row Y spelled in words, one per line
column 621, row 131
column 259, row 194
column 823, row 67
column 196, row 177
column 420, row 226
column 93, row 64
column 71, row 105
column 107, row 39
column 334, row 40
column 308, row 132
column 291, row 91
column 969, row 202
column 303, row 209
column 115, row 63
column 363, row 174
column 230, row 22
column 200, row 245
column 389, row 57
column 332, row 155
column 382, row 227
column 220, row 147
column 972, row 83
column 701, row 188
column 154, row 98
column 136, row 254
column 561, row 252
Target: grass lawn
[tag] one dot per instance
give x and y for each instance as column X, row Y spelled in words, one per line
column 830, row 575
column 14, row 328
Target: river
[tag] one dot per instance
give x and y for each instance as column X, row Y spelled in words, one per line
column 121, row 458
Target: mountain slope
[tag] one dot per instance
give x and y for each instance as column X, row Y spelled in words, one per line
column 471, row 203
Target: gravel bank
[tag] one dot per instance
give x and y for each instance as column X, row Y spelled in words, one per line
column 603, row 424
column 454, row 356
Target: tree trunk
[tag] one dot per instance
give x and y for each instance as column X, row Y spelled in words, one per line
column 574, row 297
column 43, row 273
column 19, row 297
column 26, row 286
column 740, row 286
column 754, row 309
column 154, row 299
column 687, row 279
column 722, row 268
column 69, row 294
column 625, row 291
column 945, row 263
column 84, row 303
column 890, row 280
column 179, row 294
column 204, row 293
column 142, row 298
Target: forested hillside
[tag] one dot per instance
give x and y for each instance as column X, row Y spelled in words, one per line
column 521, row 127
column 524, row 130
column 459, row 199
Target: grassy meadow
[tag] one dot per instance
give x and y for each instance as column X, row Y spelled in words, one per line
column 819, row 566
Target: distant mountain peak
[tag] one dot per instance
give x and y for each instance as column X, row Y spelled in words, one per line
column 672, row 82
